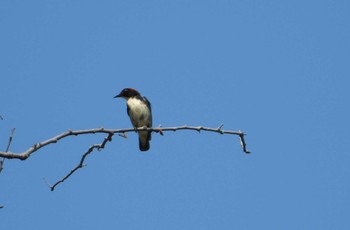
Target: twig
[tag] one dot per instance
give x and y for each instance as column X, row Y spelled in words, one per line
column 81, row 163
column 24, row 155
column 10, row 140
column 243, row 144
column 7, row 149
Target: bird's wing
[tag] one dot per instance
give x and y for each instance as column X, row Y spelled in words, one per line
column 148, row 103
column 149, row 107
column 128, row 109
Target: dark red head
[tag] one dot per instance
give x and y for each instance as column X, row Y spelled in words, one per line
column 128, row 93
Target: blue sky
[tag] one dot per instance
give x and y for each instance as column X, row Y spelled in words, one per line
column 278, row 70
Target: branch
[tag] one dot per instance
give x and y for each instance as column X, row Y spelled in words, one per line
column 26, row 154
column 7, row 149
column 81, row 163
column 122, row 132
column 243, row 144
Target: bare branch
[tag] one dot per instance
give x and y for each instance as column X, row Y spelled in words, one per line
column 2, row 164
column 243, row 144
column 81, row 163
column 7, row 149
column 121, row 132
column 24, row 155
column 10, row 140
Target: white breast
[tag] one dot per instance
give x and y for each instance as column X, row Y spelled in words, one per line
column 139, row 112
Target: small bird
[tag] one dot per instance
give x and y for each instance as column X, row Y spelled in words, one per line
column 140, row 113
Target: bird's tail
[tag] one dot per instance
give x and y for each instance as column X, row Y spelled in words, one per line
column 144, row 139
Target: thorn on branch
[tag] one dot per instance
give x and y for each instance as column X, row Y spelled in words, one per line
column 199, row 128
column 219, row 129
column 123, row 135
column 159, row 130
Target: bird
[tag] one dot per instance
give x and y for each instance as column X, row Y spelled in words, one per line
column 140, row 113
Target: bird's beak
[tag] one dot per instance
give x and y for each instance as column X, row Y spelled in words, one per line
column 117, row 96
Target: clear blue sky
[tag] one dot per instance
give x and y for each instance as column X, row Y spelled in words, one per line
column 278, row 70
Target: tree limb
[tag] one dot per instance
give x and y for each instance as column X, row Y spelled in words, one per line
column 26, row 154
column 122, row 132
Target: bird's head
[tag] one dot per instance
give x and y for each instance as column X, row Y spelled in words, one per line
column 128, row 93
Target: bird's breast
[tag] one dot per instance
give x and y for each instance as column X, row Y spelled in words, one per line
column 139, row 112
